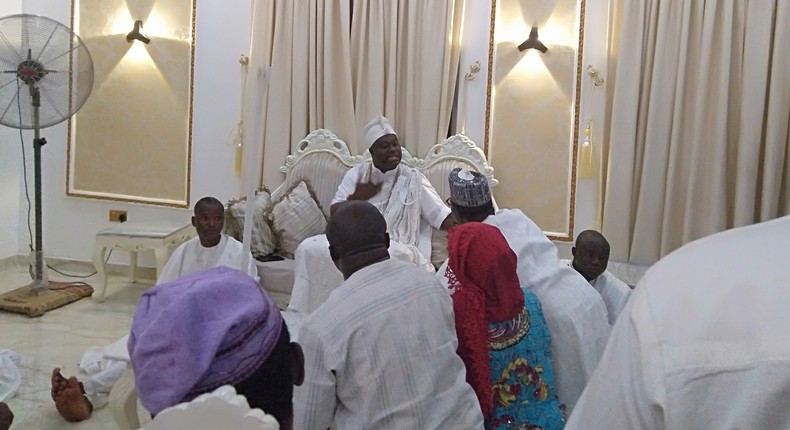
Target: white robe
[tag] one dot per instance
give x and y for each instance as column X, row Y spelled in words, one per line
column 704, row 341
column 315, row 275
column 192, row 257
column 381, row 354
column 613, row 291
column 575, row 313
column 615, row 294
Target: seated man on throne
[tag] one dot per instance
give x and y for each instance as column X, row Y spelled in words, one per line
column 408, row 201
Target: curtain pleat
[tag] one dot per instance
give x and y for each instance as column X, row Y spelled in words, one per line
column 337, row 63
column 698, row 129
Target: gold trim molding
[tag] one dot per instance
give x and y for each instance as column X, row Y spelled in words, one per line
column 569, row 236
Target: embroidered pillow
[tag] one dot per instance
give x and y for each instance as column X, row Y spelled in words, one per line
column 295, row 217
column 263, row 241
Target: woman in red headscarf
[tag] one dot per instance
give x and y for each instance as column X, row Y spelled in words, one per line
column 502, row 335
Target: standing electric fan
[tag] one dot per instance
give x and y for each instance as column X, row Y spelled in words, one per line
column 46, row 76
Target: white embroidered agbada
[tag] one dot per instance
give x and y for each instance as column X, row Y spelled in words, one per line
column 613, row 291
column 704, row 341
column 575, row 313
column 381, row 354
column 411, row 209
column 193, row 257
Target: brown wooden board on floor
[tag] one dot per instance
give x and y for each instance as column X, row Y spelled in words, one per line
column 23, row 301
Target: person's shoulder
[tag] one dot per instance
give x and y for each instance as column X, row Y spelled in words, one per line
column 188, row 244
column 232, row 241
column 613, row 280
column 358, row 168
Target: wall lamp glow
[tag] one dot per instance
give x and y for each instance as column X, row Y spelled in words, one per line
column 135, row 34
column 533, row 42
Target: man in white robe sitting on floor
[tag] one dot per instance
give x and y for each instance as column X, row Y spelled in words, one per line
column 590, row 258
column 574, row 312
column 402, row 194
column 211, row 248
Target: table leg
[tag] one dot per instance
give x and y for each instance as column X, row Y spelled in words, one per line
column 101, row 270
column 132, row 266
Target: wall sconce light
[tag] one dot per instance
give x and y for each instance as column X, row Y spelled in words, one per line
column 135, row 34
column 533, row 42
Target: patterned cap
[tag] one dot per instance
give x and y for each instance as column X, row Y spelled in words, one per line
column 468, row 189
column 376, row 128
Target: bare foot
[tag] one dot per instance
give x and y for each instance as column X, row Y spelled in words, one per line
column 6, row 417
column 69, row 397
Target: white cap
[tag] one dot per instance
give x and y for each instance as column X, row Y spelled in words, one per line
column 377, row 127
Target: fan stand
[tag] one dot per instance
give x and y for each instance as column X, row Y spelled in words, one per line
column 41, row 295
column 40, row 280
column 56, row 70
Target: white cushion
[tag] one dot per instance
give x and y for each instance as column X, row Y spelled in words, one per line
column 263, row 241
column 295, row 217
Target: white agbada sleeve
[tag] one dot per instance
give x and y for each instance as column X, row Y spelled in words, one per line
column 349, row 183
column 175, row 263
column 627, row 390
column 434, row 210
column 615, row 294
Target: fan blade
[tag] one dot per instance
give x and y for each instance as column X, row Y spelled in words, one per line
column 44, row 48
column 11, row 103
column 11, row 48
column 77, row 46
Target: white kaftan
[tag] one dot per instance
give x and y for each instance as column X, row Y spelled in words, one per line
column 411, row 207
column 193, row 257
column 381, row 354
column 704, row 341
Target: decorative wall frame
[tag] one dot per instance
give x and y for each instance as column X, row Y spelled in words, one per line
column 532, row 129
column 132, row 141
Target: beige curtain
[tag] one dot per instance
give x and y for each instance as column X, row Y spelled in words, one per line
column 698, row 132
column 336, row 63
column 406, row 55
column 306, row 43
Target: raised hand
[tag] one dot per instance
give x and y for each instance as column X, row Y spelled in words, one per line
column 365, row 190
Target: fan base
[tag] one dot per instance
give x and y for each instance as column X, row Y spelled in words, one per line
column 24, row 300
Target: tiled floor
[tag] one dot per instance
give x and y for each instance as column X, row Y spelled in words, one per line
column 59, row 338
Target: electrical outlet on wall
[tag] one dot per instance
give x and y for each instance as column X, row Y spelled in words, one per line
column 117, row 216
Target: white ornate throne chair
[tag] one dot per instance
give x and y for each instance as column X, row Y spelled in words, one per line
column 455, row 151
column 220, row 410
column 322, row 159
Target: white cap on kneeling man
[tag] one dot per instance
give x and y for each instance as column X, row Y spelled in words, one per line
column 376, row 128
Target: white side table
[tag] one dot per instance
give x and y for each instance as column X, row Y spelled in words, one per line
column 132, row 237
